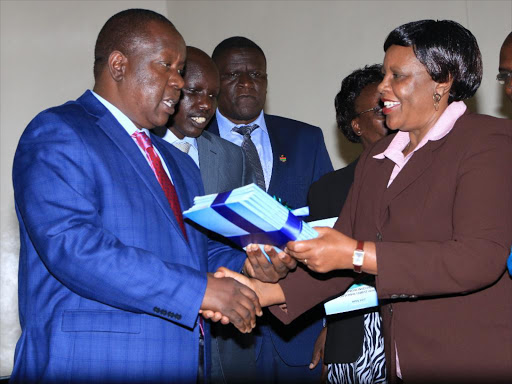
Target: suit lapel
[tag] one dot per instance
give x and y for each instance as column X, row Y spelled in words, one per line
column 209, row 169
column 178, row 181
column 278, row 147
column 412, row 171
column 111, row 127
column 213, row 127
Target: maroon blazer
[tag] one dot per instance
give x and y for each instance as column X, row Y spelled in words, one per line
column 443, row 231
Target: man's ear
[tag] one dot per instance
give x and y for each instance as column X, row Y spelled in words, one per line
column 117, row 65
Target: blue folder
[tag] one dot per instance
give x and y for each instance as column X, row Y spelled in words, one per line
column 248, row 215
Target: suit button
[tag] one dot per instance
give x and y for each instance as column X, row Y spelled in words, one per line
column 379, row 236
column 404, row 296
column 394, row 296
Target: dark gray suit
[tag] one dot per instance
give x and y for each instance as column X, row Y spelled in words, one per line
column 222, row 163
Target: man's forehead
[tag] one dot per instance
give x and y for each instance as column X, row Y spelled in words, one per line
column 235, row 55
column 506, row 56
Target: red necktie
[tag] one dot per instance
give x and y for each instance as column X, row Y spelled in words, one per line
column 154, row 161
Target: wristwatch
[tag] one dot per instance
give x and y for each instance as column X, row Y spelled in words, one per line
column 358, row 257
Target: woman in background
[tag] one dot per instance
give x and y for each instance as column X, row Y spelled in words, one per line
column 354, row 348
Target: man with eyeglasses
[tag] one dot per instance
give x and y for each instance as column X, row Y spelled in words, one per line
column 505, row 75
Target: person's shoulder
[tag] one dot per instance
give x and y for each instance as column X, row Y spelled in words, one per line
column 219, row 142
column 287, row 123
column 68, row 116
column 72, row 107
column 474, row 126
column 477, row 121
column 330, row 178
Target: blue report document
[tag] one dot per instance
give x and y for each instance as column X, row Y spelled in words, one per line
column 249, row 215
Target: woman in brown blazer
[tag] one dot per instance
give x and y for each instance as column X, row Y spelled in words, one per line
column 431, row 208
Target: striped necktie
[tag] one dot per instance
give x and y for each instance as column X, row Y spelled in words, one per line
column 182, row 145
column 251, row 153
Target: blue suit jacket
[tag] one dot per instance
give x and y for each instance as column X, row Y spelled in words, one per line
column 299, row 159
column 109, row 289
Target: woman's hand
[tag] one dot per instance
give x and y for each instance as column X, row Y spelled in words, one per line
column 331, row 250
column 268, row 293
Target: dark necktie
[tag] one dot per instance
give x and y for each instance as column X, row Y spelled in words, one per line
column 156, row 165
column 252, row 154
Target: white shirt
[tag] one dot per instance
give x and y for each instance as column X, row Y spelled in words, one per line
column 171, row 138
column 259, row 137
column 130, row 128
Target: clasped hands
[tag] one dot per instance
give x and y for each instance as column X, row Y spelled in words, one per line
column 238, row 298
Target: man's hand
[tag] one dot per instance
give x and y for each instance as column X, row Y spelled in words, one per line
column 227, row 299
column 318, row 354
column 258, row 266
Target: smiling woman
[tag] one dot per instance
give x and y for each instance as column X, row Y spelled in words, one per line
column 432, row 209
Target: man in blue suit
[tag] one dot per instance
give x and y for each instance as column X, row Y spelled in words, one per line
column 291, row 156
column 111, row 279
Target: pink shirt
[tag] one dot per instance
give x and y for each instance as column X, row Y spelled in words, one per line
column 440, row 129
column 394, row 153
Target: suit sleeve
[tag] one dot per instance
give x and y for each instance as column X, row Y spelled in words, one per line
column 220, row 255
column 475, row 256
column 56, row 197
column 305, row 289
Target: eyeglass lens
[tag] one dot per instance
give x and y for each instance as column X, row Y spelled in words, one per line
column 504, row 77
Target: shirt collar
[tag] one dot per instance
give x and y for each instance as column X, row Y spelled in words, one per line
column 125, row 122
column 226, row 125
column 440, row 129
column 171, row 138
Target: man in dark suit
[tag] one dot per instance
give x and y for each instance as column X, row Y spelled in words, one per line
column 222, row 164
column 111, row 279
column 287, row 156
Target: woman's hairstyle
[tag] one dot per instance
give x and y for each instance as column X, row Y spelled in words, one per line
column 446, row 49
column 345, row 100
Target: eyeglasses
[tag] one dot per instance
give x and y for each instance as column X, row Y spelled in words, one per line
column 376, row 110
column 504, row 77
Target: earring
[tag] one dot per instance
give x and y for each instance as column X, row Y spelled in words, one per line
column 358, row 133
column 437, row 99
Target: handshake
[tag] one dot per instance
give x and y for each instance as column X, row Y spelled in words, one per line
column 237, row 298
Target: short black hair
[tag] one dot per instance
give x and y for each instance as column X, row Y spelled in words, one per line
column 121, row 31
column 235, row 42
column 446, row 49
column 345, row 100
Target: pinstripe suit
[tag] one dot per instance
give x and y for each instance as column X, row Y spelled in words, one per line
column 109, row 289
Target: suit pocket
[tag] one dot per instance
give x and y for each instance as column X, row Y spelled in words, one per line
column 100, row 321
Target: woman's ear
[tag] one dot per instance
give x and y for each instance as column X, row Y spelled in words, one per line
column 355, row 126
column 444, row 87
column 117, row 65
